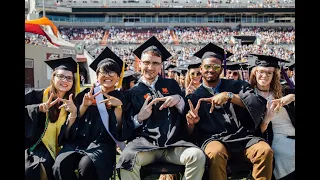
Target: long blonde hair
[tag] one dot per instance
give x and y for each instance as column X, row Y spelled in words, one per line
column 275, row 86
column 187, row 78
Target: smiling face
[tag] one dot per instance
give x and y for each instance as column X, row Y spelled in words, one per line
column 107, row 79
column 63, row 80
column 150, row 65
column 195, row 75
column 232, row 74
column 264, row 75
column 211, row 69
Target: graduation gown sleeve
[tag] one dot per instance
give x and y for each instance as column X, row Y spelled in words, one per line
column 254, row 103
column 34, row 119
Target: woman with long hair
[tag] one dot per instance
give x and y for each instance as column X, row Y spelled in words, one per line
column 193, row 77
column 278, row 124
column 90, row 148
column 46, row 110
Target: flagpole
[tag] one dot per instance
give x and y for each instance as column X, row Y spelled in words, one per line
column 43, row 10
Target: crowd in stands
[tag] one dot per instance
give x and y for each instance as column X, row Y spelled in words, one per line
column 35, row 39
column 277, row 42
column 204, row 35
column 194, row 35
column 137, row 36
column 88, row 35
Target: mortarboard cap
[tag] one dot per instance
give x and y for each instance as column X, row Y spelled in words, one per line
column 175, row 69
column 170, row 66
column 212, row 50
column 231, row 65
column 105, row 56
column 291, row 65
column 267, row 61
column 106, row 53
column 193, row 64
column 152, row 44
column 183, row 69
column 67, row 63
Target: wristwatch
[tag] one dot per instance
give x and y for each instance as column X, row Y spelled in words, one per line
column 230, row 96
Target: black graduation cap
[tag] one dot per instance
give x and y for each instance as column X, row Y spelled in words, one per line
column 67, row 63
column 267, row 61
column 106, row 53
column 175, row 69
column 153, row 44
column 236, row 65
column 193, row 64
column 183, row 69
column 291, row 65
column 170, row 66
column 212, row 50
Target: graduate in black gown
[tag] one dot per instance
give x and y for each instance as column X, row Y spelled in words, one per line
column 223, row 115
column 129, row 80
column 278, row 125
column 46, row 110
column 88, row 147
column 160, row 127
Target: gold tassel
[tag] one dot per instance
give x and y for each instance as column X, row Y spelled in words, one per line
column 77, row 80
column 121, row 76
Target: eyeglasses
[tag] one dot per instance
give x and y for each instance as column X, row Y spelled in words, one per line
column 215, row 67
column 233, row 73
column 63, row 77
column 267, row 73
column 147, row 63
column 110, row 73
column 195, row 74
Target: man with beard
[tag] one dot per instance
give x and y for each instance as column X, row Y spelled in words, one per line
column 225, row 117
column 160, row 129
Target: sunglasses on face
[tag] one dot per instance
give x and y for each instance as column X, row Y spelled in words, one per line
column 147, row 63
column 215, row 67
column 233, row 73
column 110, row 73
column 195, row 74
column 63, row 77
column 267, row 73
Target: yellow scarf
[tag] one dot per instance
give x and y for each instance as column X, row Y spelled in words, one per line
column 50, row 138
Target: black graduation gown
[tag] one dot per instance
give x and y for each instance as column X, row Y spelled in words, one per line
column 34, row 127
column 235, row 131
column 161, row 130
column 89, row 136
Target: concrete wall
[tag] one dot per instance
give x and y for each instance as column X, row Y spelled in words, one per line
column 39, row 55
